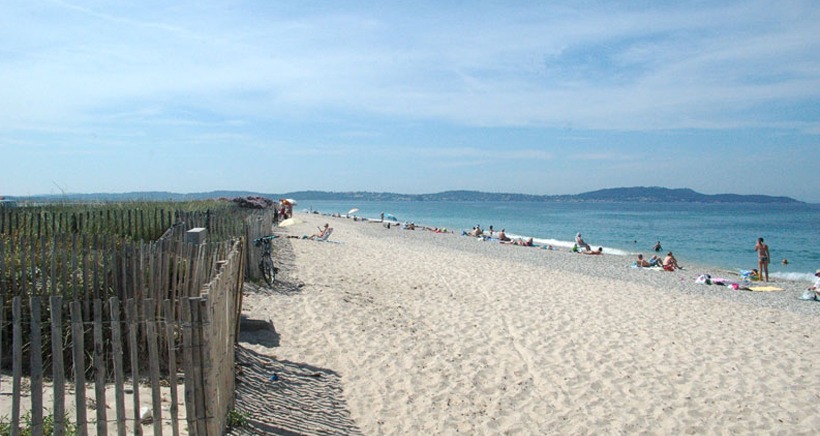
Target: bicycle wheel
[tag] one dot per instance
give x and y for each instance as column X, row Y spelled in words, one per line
column 268, row 271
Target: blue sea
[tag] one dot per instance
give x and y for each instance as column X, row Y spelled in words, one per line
column 719, row 235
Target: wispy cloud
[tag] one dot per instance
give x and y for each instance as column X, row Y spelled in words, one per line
column 431, row 79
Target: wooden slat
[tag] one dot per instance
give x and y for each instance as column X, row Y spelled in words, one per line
column 17, row 363
column 188, row 367
column 99, row 369
column 131, row 316
column 197, row 375
column 36, row 376
column 119, row 375
column 57, row 365
column 23, row 281
column 172, row 365
column 78, row 347
column 153, row 360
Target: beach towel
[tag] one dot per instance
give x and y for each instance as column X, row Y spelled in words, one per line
column 809, row 295
column 764, row 288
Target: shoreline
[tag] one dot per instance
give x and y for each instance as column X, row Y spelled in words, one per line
column 732, row 257
column 615, row 263
column 420, row 332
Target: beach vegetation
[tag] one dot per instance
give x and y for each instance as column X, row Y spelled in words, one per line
column 25, row 428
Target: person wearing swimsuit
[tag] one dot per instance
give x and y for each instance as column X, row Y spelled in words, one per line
column 762, row 258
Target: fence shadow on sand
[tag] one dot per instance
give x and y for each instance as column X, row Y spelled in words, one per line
column 289, row 398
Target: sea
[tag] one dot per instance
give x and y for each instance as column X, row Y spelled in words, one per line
column 708, row 235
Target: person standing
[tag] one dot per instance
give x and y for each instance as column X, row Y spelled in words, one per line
column 762, row 258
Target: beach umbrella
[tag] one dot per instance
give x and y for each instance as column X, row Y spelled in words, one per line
column 390, row 217
column 352, row 211
column 289, row 222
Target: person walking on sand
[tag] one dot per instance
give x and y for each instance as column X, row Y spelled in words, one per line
column 762, row 258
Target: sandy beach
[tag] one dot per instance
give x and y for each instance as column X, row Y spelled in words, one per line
column 391, row 331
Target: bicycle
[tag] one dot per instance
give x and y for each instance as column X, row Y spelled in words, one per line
column 266, row 260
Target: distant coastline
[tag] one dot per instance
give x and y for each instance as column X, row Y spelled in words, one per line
column 626, row 195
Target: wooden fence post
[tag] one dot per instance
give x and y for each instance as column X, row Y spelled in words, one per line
column 36, row 374
column 78, row 346
column 172, row 365
column 119, row 376
column 131, row 316
column 99, row 369
column 17, row 363
column 153, row 361
column 57, row 365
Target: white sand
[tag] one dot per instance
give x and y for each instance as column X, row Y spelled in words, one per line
column 423, row 333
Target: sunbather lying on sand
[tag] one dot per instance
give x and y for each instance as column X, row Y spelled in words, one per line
column 598, row 252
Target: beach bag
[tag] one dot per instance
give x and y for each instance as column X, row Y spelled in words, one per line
column 808, row 294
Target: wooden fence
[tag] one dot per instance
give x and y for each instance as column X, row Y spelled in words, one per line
column 256, row 226
column 167, row 303
column 146, row 222
column 200, row 330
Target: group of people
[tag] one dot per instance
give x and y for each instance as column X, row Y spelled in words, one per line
column 669, row 263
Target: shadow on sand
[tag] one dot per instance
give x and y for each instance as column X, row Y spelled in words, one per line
column 289, row 398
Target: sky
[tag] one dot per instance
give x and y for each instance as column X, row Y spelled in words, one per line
column 414, row 97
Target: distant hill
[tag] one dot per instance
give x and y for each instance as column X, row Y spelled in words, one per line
column 665, row 195
column 631, row 195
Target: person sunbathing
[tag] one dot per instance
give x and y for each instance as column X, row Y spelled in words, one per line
column 477, row 232
column 503, row 236
column 519, row 241
column 670, row 263
column 522, row 242
column 641, row 262
column 579, row 241
column 598, row 252
column 322, row 232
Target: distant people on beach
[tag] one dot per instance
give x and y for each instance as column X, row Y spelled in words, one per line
column 816, row 286
column 520, row 241
column 598, row 252
column 502, row 236
column 762, row 258
column 490, row 231
column 476, row 231
column 670, row 263
column 641, row 262
column 579, row 241
column 657, row 246
column 326, row 230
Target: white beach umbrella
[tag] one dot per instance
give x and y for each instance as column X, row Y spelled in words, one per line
column 289, row 222
column 352, row 211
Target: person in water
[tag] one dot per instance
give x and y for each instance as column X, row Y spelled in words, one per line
column 657, row 246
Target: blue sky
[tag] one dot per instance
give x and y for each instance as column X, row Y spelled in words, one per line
column 410, row 97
